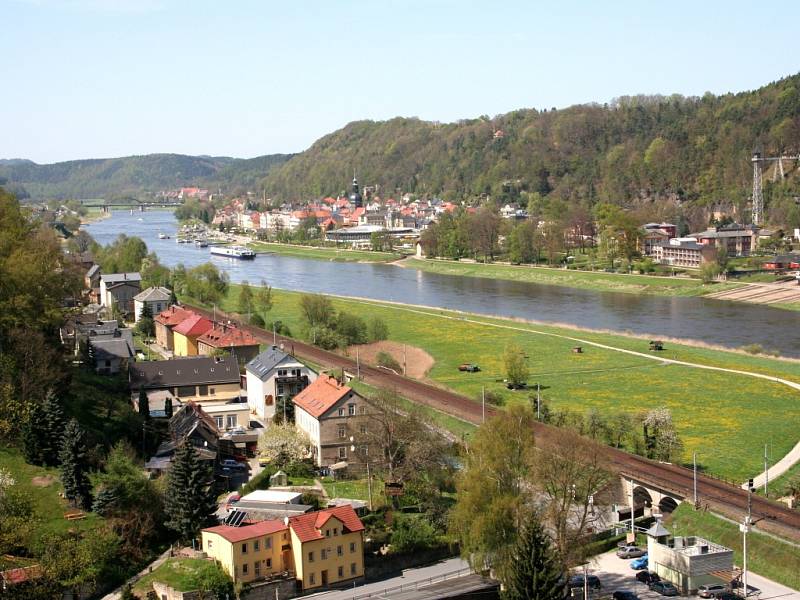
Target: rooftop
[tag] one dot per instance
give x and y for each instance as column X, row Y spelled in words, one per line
column 111, row 278
column 307, row 527
column 154, row 294
column 246, row 532
column 227, row 336
column 273, row 496
column 173, row 315
column 193, row 325
column 262, row 364
column 695, row 546
column 193, row 370
column 320, row 396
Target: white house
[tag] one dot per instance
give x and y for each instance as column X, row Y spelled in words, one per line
column 271, row 375
column 157, row 298
column 119, row 288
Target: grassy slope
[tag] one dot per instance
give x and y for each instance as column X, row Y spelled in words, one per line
column 178, row 573
column 765, row 555
column 725, row 417
column 593, row 280
column 323, row 253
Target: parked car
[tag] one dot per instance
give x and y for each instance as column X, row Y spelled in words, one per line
column 647, row 577
column 229, row 463
column 631, row 552
column 711, row 590
column 263, row 462
column 238, row 430
column 256, row 425
column 240, row 458
column 469, row 367
column 639, row 563
column 592, row 581
column 232, row 498
column 624, row 595
column 516, row 386
column 665, row 588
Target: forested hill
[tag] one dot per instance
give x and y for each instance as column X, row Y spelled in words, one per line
column 131, row 175
column 634, row 147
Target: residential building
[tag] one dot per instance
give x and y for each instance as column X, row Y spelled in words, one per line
column 735, row 239
column 335, row 418
column 782, row 262
column 112, row 350
column 322, row 548
column 119, row 289
column 227, row 337
column 274, row 375
column 166, row 321
column 186, row 333
column 655, row 234
column 91, row 280
column 204, row 379
column 156, row 298
column 229, row 415
column 687, row 561
column 189, row 425
column 683, row 252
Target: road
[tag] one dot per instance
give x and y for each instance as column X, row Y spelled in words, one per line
column 408, row 578
column 722, row 497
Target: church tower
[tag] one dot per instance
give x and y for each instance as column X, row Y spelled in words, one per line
column 355, row 195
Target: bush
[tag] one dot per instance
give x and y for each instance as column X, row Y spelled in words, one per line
column 377, row 330
column 412, row 533
column 279, row 327
column 311, row 499
column 256, row 320
column 351, row 328
column 259, row 482
column 301, row 469
column 384, row 359
column 493, row 398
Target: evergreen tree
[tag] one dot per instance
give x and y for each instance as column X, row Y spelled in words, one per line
column 190, row 500
column 144, row 404
column 535, row 573
column 146, row 326
column 33, row 433
column 104, row 501
column 74, row 478
column 127, row 593
column 168, row 408
column 52, row 425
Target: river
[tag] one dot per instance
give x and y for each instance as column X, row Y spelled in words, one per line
column 727, row 324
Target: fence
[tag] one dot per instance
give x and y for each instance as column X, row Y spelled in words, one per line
column 415, row 585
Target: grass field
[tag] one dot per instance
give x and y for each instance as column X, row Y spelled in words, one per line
column 725, row 417
column 182, row 574
column 48, row 506
column 590, row 280
column 325, row 253
column 765, row 555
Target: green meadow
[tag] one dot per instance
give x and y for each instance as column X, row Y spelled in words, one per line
column 725, row 417
column 325, row 253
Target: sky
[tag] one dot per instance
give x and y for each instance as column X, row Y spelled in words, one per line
column 104, row 78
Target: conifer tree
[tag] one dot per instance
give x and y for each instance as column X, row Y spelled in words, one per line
column 190, row 499
column 33, row 432
column 52, row 424
column 104, row 501
column 144, row 404
column 74, row 478
column 535, row 573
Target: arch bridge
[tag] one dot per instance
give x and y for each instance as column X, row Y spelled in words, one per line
column 648, row 498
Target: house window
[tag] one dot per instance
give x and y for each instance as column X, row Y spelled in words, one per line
column 327, row 533
column 186, row 390
column 310, row 557
column 324, row 554
column 352, row 547
column 210, row 544
column 339, row 551
column 281, row 372
column 341, row 571
column 256, row 546
column 352, row 568
column 342, row 451
column 269, row 563
column 351, row 409
column 311, row 579
column 211, row 391
column 362, row 409
column 231, row 422
column 295, row 372
column 341, row 431
column 341, row 412
column 365, row 450
column 244, row 548
column 267, row 543
column 244, row 568
column 363, row 429
column 257, row 568
column 219, row 422
column 335, row 531
column 280, row 389
column 202, row 390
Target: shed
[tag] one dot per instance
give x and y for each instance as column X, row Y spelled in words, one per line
column 279, row 479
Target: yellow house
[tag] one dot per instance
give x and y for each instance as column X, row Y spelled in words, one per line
column 328, row 547
column 185, row 334
column 322, row 548
column 250, row 552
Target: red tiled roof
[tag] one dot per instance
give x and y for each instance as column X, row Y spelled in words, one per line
column 227, row 336
column 173, row 315
column 194, row 325
column 306, row 526
column 321, row 395
column 246, row 532
column 21, row 574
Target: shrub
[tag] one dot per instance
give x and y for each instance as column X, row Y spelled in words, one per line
column 259, row 482
column 384, row 359
column 311, row 499
column 410, row 534
column 302, row 469
column 256, row 320
column 377, row 330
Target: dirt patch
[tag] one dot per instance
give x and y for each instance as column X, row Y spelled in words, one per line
column 42, row 481
column 418, row 362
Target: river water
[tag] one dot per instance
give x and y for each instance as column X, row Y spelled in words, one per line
column 717, row 322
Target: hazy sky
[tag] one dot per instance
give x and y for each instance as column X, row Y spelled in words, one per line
column 99, row 78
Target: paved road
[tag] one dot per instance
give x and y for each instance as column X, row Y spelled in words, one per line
column 409, row 577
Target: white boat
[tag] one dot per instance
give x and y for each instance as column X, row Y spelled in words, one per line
column 200, row 243
column 163, row 236
column 233, row 251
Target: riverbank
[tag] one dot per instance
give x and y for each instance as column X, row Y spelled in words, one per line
column 325, row 253
column 725, row 417
column 588, row 280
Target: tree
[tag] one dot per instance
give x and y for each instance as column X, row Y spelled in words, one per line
column 284, row 410
column 661, row 438
column 377, row 329
column 127, row 593
column 317, row 310
column 536, row 572
column 493, row 489
column 190, row 500
column 246, row 301
column 516, row 366
column 146, row 325
column 73, row 457
column 52, row 430
column 352, row 328
column 204, row 282
column 282, row 444
column 144, row 404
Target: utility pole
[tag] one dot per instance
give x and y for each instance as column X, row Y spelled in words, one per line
column 633, row 531
column 369, row 487
column 538, row 403
column 766, row 470
column 483, row 404
column 358, row 365
column 694, row 469
column 745, row 528
column 274, row 343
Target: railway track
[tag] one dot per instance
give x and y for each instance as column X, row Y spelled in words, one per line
column 722, row 497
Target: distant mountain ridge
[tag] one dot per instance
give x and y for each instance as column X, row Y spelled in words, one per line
column 130, row 175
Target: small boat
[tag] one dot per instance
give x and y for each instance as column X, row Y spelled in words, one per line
column 200, row 243
column 163, row 236
column 233, row 252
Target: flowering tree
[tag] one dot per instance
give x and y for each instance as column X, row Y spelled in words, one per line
column 283, row 443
